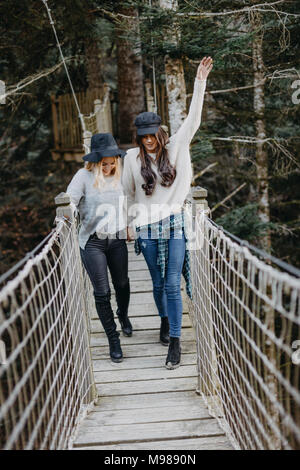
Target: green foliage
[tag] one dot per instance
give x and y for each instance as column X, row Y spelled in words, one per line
column 202, row 147
column 244, row 223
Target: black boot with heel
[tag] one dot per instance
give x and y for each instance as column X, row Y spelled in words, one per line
column 106, row 316
column 174, row 354
column 122, row 297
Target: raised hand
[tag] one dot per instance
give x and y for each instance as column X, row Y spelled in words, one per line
column 204, row 68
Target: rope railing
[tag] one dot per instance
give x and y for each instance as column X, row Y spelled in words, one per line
column 46, row 373
column 246, row 316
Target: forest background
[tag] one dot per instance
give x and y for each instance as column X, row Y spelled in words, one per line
column 246, row 152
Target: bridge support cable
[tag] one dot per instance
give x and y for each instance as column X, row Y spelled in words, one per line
column 80, row 115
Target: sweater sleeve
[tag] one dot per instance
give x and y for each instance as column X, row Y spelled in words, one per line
column 192, row 122
column 76, row 189
column 128, row 187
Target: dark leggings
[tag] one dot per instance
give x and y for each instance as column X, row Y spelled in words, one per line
column 100, row 254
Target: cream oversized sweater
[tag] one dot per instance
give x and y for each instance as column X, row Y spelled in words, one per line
column 163, row 201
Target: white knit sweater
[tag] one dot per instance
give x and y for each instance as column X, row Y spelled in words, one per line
column 164, row 201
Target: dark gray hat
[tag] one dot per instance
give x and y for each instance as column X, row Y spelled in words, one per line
column 103, row 145
column 147, row 123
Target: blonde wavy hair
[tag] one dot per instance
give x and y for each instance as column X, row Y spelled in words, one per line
column 101, row 182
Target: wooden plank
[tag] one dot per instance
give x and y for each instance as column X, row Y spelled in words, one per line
column 200, row 443
column 137, row 310
column 55, row 122
column 157, row 386
column 60, row 121
column 142, row 285
column 137, row 265
column 146, row 432
column 150, row 400
column 148, row 415
column 143, row 274
column 141, row 298
column 130, row 246
column 139, row 362
column 144, row 323
column 148, row 309
column 142, row 337
column 146, row 374
column 142, row 350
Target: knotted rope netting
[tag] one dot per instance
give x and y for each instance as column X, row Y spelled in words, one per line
column 246, row 314
column 46, row 372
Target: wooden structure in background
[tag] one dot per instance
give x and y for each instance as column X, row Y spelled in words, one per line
column 67, row 130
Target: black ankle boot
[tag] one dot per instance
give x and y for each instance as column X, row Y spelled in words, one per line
column 115, row 350
column 125, row 323
column 174, row 353
column 122, row 297
column 164, row 331
column 106, row 316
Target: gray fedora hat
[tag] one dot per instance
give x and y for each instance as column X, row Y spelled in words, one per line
column 103, row 145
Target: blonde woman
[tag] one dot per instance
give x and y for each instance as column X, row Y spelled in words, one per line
column 97, row 193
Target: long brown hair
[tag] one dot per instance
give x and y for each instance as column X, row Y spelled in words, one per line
column 164, row 167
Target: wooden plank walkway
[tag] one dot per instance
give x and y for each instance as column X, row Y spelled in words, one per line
column 141, row 404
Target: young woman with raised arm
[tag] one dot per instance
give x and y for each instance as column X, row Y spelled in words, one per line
column 156, row 179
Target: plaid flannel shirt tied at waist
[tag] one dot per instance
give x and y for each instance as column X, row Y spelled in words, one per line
column 161, row 231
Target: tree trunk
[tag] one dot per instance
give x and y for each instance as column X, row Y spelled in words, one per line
column 259, row 112
column 175, row 82
column 93, row 64
column 130, row 77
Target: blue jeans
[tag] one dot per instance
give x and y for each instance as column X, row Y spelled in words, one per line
column 166, row 291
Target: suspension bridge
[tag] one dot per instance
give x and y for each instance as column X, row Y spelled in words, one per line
column 237, row 388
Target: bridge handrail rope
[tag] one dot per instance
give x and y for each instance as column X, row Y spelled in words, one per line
column 47, row 382
column 246, row 315
column 262, row 253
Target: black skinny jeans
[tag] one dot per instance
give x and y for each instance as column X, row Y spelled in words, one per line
column 100, row 254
